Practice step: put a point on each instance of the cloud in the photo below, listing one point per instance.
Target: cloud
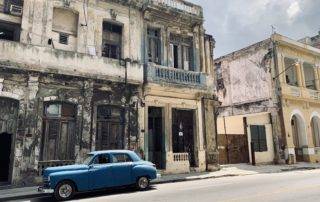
(293, 10)
(239, 23)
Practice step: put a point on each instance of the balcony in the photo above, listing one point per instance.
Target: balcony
(179, 5)
(20, 56)
(160, 74)
(12, 7)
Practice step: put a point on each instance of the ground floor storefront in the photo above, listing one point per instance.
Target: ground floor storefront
(179, 134)
(52, 120)
(246, 139)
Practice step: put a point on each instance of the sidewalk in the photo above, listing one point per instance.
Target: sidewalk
(226, 171)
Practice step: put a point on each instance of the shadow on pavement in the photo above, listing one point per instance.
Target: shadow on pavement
(94, 194)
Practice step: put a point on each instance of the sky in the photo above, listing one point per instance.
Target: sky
(236, 24)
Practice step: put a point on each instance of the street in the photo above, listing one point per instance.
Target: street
(286, 186)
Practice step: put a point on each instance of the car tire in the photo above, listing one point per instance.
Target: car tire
(64, 191)
(143, 183)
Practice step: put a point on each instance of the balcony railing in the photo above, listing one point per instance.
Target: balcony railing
(315, 95)
(162, 74)
(295, 91)
(178, 157)
(179, 5)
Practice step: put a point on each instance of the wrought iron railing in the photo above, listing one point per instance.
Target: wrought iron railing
(158, 73)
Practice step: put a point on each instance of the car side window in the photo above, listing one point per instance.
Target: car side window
(121, 158)
(102, 159)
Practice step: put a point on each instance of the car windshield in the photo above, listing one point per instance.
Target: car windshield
(88, 159)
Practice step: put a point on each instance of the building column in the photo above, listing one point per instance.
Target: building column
(85, 116)
(317, 77)
(300, 75)
(210, 133)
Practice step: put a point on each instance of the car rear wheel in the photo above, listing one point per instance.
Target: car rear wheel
(143, 183)
(64, 191)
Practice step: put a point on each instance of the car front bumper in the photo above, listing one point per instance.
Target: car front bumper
(45, 190)
(158, 176)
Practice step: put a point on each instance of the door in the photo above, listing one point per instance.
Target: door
(100, 173)
(183, 133)
(5, 151)
(122, 169)
(110, 128)
(156, 138)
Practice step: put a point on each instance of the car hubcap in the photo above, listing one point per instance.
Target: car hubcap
(143, 183)
(65, 191)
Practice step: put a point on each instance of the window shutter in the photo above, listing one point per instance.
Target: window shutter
(263, 139)
(255, 137)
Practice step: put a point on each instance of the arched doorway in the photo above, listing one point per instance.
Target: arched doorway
(8, 127)
(315, 129)
(299, 135)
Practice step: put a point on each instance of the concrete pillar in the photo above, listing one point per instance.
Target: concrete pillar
(202, 51)
(85, 115)
(168, 127)
(300, 75)
(317, 77)
(210, 134)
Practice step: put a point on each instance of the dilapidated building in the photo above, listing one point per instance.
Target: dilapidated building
(83, 75)
(270, 92)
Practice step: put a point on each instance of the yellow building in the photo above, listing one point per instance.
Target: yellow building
(300, 100)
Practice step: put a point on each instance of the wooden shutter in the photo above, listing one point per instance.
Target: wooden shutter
(255, 137)
(262, 139)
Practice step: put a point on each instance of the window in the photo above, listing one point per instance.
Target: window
(111, 40)
(181, 52)
(258, 137)
(63, 38)
(154, 45)
(65, 21)
(121, 158)
(309, 76)
(291, 72)
(10, 32)
(102, 159)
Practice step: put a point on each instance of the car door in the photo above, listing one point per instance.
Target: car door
(100, 173)
(122, 169)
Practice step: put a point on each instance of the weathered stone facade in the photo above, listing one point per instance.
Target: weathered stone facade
(80, 76)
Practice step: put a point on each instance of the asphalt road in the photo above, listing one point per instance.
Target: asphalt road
(287, 186)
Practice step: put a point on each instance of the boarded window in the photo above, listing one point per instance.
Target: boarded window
(181, 52)
(258, 137)
(154, 45)
(291, 72)
(111, 40)
(309, 76)
(65, 21)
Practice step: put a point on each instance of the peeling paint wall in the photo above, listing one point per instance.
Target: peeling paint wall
(245, 77)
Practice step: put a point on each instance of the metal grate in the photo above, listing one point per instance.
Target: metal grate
(64, 38)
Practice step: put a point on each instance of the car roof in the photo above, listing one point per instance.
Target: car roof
(111, 152)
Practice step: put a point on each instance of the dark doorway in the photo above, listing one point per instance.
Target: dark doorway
(110, 127)
(233, 149)
(156, 137)
(183, 133)
(5, 151)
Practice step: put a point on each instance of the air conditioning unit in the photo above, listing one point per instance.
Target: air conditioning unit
(16, 10)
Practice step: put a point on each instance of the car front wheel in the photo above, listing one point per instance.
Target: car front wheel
(143, 183)
(64, 191)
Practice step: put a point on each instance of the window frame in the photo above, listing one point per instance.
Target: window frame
(261, 142)
(113, 157)
(109, 46)
(154, 41)
(293, 68)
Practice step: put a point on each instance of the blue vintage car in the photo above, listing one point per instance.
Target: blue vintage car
(100, 170)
